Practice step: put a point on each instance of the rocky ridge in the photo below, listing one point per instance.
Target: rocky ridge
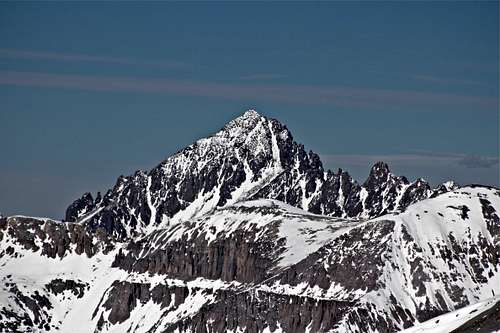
(251, 157)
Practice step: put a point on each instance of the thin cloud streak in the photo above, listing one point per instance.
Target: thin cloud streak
(263, 76)
(379, 99)
(446, 81)
(424, 158)
(75, 57)
(474, 161)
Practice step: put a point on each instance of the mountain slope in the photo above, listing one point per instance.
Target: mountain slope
(410, 267)
(482, 317)
(255, 266)
(251, 157)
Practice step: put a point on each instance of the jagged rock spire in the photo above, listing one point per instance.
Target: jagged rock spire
(379, 174)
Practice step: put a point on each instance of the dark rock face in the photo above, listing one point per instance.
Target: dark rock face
(228, 259)
(59, 286)
(35, 304)
(245, 310)
(417, 191)
(251, 157)
(443, 188)
(80, 207)
(332, 199)
(251, 310)
(343, 262)
(124, 296)
(491, 217)
(55, 239)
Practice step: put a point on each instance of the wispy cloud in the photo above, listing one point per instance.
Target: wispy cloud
(77, 57)
(446, 81)
(372, 99)
(422, 158)
(474, 161)
(262, 77)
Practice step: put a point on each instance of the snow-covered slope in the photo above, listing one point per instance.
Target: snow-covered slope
(49, 270)
(400, 269)
(479, 317)
(260, 237)
(255, 266)
(57, 277)
(251, 157)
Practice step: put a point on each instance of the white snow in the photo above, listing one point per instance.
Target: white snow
(453, 320)
(303, 232)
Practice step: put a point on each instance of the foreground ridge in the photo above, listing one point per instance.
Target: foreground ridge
(255, 266)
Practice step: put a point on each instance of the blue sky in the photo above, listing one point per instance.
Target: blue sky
(90, 91)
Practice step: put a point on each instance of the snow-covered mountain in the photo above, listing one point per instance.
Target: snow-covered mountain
(245, 232)
(256, 265)
(251, 157)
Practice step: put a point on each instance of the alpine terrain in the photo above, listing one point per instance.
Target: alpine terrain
(244, 231)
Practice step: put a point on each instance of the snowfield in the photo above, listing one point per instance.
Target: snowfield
(453, 320)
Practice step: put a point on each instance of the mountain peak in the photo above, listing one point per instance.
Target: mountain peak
(243, 123)
(252, 157)
(251, 113)
(378, 173)
(380, 167)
